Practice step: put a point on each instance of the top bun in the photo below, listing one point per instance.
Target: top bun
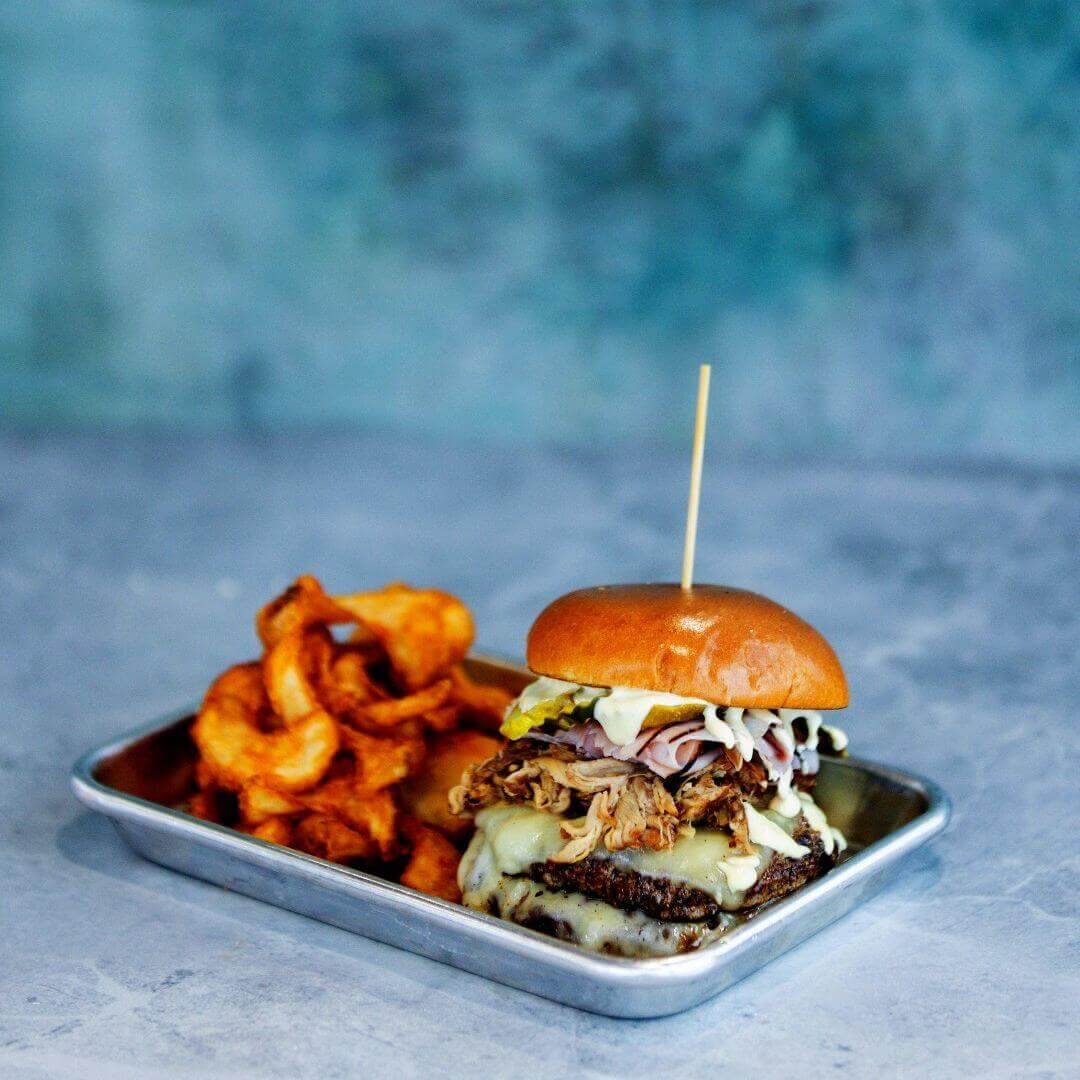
(728, 646)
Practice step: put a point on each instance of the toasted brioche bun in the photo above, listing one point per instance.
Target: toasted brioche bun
(728, 646)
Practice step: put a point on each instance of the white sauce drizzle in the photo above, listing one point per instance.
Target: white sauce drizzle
(838, 736)
(785, 802)
(832, 838)
(622, 710)
(813, 723)
(544, 689)
(718, 728)
(740, 871)
(768, 834)
(733, 718)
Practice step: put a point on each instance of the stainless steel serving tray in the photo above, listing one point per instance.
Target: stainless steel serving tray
(136, 780)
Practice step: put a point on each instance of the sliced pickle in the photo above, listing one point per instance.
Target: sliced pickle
(580, 714)
(519, 723)
(662, 715)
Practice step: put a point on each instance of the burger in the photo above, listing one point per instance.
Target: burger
(658, 779)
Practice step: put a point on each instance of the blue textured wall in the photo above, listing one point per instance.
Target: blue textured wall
(532, 219)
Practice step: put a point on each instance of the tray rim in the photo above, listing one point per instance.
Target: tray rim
(119, 806)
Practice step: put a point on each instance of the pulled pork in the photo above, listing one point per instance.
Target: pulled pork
(616, 803)
(715, 799)
(636, 812)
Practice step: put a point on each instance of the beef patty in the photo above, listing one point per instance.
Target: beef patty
(627, 889)
(674, 901)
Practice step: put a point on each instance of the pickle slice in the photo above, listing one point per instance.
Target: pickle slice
(519, 723)
(662, 715)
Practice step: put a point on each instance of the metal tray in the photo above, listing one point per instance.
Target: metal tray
(136, 780)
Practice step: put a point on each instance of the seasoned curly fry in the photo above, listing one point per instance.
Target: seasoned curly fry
(259, 803)
(204, 778)
(426, 794)
(344, 683)
(425, 632)
(383, 714)
(372, 814)
(383, 761)
(444, 719)
(484, 704)
(235, 749)
(275, 831)
(329, 838)
(432, 866)
(301, 605)
(203, 805)
(288, 684)
(320, 743)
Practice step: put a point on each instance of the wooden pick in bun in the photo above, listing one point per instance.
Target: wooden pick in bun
(728, 646)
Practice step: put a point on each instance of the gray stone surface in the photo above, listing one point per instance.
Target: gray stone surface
(129, 572)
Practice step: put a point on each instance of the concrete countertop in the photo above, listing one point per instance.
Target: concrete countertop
(130, 569)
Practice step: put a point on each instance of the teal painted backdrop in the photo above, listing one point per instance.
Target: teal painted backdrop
(530, 220)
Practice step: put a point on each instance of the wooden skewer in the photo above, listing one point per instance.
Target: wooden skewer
(690, 543)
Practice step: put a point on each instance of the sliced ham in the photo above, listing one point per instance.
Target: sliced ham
(687, 747)
(665, 750)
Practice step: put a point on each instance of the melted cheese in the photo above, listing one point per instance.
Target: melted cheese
(509, 839)
(769, 834)
(705, 860)
(596, 925)
(519, 836)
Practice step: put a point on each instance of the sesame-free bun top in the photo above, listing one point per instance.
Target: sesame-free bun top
(728, 646)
